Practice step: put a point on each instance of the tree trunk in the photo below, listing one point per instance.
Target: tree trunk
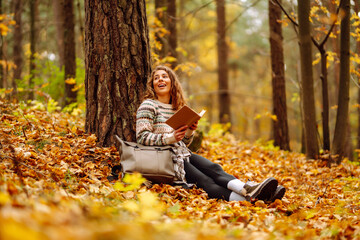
(171, 12)
(69, 50)
(325, 101)
(33, 38)
(307, 81)
(81, 27)
(1, 53)
(117, 62)
(343, 95)
(280, 126)
(161, 15)
(17, 49)
(336, 69)
(59, 26)
(357, 9)
(222, 49)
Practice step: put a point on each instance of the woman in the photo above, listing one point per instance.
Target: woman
(163, 98)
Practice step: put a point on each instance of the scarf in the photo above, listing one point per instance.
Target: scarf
(180, 153)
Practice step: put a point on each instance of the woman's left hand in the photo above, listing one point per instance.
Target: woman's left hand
(194, 126)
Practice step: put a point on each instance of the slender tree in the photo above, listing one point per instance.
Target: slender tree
(57, 6)
(81, 27)
(222, 50)
(33, 39)
(343, 95)
(117, 62)
(171, 12)
(17, 47)
(69, 50)
(160, 35)
(307, 82)
(280, 125)
(1, 53)
(357, 11)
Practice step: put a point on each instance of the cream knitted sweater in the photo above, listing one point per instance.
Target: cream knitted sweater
(151, 128)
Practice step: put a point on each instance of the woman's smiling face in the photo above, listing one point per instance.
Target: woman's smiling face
(162, 83)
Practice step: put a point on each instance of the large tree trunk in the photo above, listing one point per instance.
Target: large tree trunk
(59, 26)
(160, 36)
(222, 49)
(343, 96)
(117, 66)
(69, 51)
(17, 49)
(280, 126)
(171, 11)
(307, 81)
(33, 39)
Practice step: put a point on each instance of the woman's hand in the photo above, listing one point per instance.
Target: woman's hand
(179, 133)
(194, 126)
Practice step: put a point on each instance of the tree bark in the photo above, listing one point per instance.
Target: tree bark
(69, 50)
(117, 66)
(59, 26)
(33, 39)
(222, 49)
(171, 12)
(280, 126)
(17, 49)
(307, 81)
(343, 95)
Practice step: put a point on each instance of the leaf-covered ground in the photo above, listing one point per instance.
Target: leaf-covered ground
(53, 185)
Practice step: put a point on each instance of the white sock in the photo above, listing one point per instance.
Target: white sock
(236, 197)
(236, 185)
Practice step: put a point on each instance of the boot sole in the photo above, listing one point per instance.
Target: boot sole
(265, 189)
(279, 193)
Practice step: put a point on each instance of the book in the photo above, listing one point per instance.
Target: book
(184, 116)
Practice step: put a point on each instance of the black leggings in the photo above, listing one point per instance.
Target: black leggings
(209, 176)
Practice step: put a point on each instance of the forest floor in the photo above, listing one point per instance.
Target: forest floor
(53, 185)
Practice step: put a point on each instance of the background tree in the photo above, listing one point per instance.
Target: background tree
(118, 65)
(69, 51)
(280, 125)
(222, 50)
(2, 79)
(357, 11)
(58, 16)
(172, 21)
(33, 41)
(343, 96)
(162, 23)
(307, 82)
(17, 47)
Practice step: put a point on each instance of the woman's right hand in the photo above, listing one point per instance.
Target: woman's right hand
(179, 133)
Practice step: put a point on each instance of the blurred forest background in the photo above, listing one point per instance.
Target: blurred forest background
(34, 65)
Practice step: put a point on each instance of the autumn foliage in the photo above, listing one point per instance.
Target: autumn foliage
(53, 185)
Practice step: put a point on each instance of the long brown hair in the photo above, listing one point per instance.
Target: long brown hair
(177, 97)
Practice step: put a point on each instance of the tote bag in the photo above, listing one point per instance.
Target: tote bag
(153, 162)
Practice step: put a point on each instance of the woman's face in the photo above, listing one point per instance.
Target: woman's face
(162, 83)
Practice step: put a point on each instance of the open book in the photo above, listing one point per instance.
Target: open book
(184, 116)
